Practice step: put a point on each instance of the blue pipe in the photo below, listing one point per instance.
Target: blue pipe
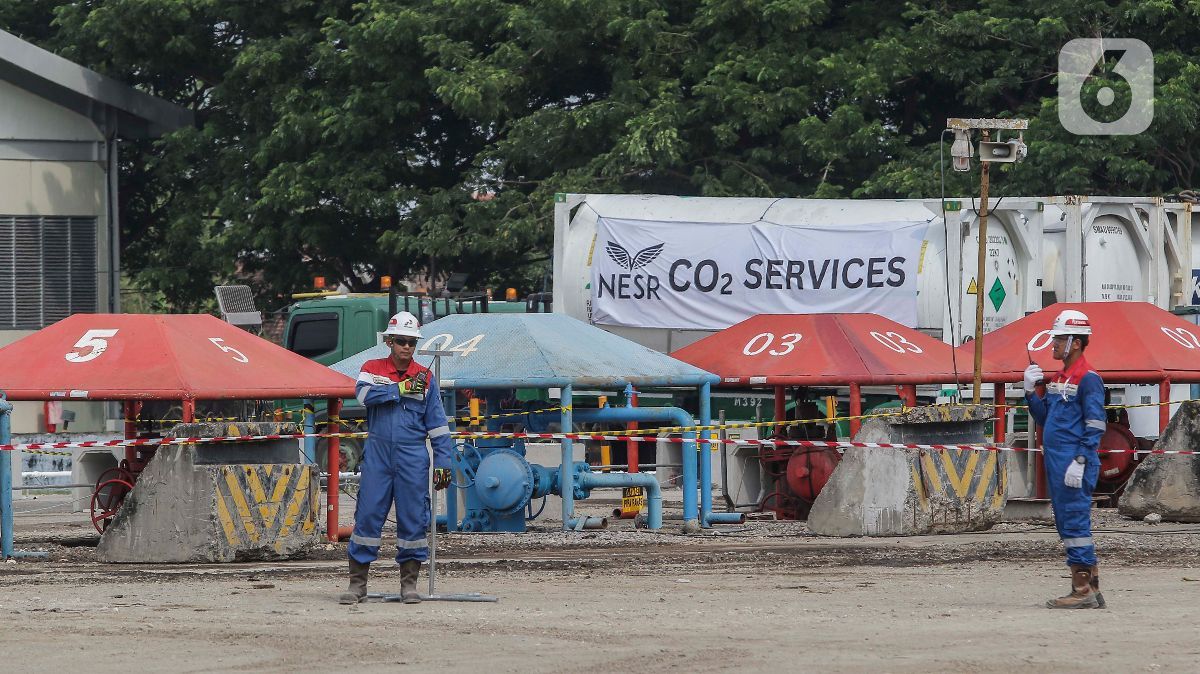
(725, 518)
(587, 523)
(621, 480)
(707, 516)
(6, 513)
(450, 519)
(673, 415)
(567, 468)
(705, 457)
(6, 516)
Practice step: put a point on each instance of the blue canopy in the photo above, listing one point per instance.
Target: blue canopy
(537, 351)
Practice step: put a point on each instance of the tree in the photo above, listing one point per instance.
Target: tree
(352, 139)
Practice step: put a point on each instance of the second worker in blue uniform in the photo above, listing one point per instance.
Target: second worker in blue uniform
(1071, 410)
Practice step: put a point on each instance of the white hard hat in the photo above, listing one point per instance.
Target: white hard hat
(404, 324)
(1071, 322)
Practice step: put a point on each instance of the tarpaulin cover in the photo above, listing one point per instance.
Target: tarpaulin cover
(537, 350)
(824, 349)
(1131, 343)
(166, 357)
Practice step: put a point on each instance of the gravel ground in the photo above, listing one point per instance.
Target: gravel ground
(765, 596)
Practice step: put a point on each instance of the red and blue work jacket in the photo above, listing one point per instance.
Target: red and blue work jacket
(399, 424)
(1072, 411)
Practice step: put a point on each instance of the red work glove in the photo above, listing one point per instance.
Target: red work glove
(442, 478)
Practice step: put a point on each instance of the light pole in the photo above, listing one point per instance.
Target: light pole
(1010, 151)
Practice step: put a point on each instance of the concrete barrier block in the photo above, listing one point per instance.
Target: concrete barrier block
(1168, 484)
(906, 492)
(188, 506)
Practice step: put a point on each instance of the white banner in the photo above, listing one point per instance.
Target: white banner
(709, 276)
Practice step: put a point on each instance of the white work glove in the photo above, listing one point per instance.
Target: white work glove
(1074, 476)
(1033, 374)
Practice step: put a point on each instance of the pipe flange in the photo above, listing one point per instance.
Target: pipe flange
(504, 481)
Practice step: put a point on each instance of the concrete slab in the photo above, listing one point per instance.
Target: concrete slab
(903, 492)
(1028, 509)
(1168, 484)
(190, 506)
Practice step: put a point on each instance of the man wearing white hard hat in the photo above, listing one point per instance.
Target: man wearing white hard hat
(404, 409)
(1071, 410)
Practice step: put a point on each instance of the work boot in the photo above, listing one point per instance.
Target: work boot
(1082, 595)
(358, 583)
(408, 581)
(1096, 586)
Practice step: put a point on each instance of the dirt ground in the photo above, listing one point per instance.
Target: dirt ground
(766, 596)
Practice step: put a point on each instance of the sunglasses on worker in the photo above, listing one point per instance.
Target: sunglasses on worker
(403, 341)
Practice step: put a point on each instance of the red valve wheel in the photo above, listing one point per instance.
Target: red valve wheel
(107, 499)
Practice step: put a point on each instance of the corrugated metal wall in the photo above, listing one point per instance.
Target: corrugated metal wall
(47, 269)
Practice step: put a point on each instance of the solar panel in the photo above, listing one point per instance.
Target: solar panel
(237, 305)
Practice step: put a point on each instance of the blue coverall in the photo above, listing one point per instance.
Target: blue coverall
(1072, 414)
(395, 464)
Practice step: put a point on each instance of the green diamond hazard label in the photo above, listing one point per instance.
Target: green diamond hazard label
(997, 294)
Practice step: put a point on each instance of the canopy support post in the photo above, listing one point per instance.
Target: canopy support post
(566, 470)
(631, 446)
(780, 408)
(1001, 411)
(1164, 407)
(855, 410)
(334, 461)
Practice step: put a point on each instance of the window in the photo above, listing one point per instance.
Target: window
(314, 334)
(47, 269)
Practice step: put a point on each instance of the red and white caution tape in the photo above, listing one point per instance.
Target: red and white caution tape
(156, 442)
(838, 444)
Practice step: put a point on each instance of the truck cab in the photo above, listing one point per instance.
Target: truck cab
(334, 326)
(330, 327)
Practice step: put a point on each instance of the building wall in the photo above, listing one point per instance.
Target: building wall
(52, 188)
(33, 133)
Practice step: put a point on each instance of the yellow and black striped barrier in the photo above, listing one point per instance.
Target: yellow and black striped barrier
(263, 504)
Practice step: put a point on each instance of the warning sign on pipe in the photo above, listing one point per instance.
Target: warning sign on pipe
(633, 498)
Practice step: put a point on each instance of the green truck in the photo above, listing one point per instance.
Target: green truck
(333, 326)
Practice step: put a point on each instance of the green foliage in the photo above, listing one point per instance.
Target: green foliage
(351, 139)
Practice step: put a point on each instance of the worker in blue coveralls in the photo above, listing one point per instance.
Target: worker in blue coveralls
(1071, 410)
(403, 410)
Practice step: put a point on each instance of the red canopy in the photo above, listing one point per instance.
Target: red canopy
(824, 350)
(1131, 343)
(165, 357)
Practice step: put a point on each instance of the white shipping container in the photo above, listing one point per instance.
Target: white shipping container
(1012, 284)
(1040, 250)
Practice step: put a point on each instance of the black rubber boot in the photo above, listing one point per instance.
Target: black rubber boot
(1096, 586)
(408, 582)
(358, 584)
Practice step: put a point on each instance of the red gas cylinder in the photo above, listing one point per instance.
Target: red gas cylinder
(809, 469)
(1116, 466)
